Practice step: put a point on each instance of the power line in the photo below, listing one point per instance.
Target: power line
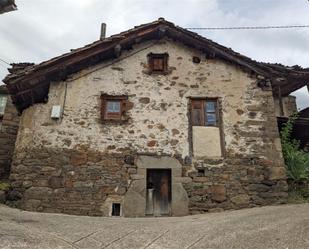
(5, 62)
(233, 28)
(251, 27)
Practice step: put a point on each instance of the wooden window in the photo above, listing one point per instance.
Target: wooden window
(204, 112)
(113, 107)
(157, 63)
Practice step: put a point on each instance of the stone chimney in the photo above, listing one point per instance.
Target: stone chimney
(103, 31)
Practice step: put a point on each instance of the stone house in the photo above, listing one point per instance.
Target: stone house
(156, 120)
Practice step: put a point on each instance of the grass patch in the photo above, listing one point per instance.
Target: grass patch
(298, 192)
(296, 196)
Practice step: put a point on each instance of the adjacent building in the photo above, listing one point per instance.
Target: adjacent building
(9, 121)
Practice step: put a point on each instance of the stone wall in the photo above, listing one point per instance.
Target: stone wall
(236, 183)
(8, 133)
(249, 172)
(67, 181)
(243, 179)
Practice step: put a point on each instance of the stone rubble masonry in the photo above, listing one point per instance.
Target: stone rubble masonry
(78, 165)
(79, 182)
(67, 181)
(8, 133)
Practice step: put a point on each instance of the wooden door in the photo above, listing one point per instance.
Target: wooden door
(158, 192)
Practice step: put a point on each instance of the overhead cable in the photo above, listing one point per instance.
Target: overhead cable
(251, 27)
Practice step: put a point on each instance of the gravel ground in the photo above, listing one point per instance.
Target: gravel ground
(285, 226)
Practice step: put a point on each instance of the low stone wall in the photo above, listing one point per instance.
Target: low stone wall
(86, 182)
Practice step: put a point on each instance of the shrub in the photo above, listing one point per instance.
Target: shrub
(297, 164)
(296, 160)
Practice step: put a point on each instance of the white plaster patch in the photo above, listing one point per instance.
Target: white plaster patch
(206, 142)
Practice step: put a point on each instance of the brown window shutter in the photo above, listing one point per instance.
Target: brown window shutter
(103, 108)
(158, 64)
(197, 104)
(197, 117)
(123, 107)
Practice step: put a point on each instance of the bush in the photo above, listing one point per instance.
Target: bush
(297, 164)
(296, 160)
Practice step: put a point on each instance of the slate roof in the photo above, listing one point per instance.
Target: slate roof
(29, 83)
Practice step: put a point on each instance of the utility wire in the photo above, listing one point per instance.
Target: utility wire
(234, 28)
(252, 27)
(5, 62)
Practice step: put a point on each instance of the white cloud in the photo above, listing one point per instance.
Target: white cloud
(40, 30)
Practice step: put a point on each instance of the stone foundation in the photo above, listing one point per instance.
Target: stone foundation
(68, 181)
(85, 182)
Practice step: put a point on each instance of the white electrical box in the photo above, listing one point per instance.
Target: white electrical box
(56, 112)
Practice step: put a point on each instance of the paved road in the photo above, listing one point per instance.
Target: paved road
(283, 227)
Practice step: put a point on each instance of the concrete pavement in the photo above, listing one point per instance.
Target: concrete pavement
(285, 226)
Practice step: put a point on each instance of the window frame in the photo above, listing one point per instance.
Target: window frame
(155, 56)
(203, 111)
(113, 116)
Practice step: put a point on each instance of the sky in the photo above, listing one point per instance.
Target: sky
(42, 29)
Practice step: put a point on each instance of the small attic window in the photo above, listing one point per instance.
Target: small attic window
(157, 63)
